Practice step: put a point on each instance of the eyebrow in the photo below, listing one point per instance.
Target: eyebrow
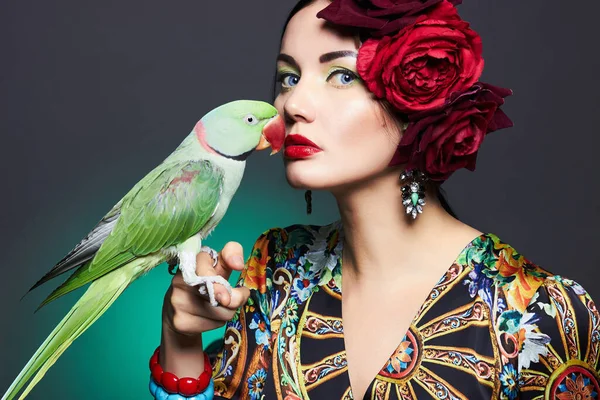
(324, 58)
(336, 54)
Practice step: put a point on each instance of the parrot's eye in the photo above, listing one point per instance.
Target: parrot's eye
(250, 119)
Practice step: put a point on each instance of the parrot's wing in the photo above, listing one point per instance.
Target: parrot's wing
(86, 249)
(164, 209)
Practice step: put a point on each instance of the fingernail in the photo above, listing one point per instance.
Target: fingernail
(218, 297)
(238, 260)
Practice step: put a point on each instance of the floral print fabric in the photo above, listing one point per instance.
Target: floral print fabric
(495, 326)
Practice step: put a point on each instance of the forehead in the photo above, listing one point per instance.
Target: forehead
(307, 35)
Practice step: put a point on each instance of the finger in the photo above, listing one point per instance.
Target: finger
(204, 264)
(231, 257)
(189, 303)
(239, 297)
(221, 293)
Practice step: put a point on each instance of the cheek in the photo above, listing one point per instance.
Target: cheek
(278, 104)
(359, 133)
(357, 146)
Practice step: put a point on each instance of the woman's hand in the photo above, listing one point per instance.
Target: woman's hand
(187, 312)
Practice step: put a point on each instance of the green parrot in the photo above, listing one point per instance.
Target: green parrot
(164, 217)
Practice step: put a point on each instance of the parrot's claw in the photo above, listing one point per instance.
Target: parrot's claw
(188, 271)
(172, 265)
(208, 288)
(213, 254)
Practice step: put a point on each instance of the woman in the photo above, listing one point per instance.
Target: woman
(431, 307)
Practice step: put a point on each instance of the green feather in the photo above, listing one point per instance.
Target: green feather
(147, 224)
(94, 302)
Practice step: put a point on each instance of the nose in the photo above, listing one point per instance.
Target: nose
(299, 105)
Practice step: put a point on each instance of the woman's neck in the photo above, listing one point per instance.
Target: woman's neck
(381, 239)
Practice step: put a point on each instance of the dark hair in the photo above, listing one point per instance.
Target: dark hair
(396, 116)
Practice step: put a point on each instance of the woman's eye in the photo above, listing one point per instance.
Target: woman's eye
(288, 80)
(343, 77)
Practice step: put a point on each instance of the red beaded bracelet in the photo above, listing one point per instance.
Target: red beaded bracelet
(184, 386)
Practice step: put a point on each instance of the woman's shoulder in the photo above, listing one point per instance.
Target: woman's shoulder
(308, 245)
(496, 264)
(300, 236)
(547, 325)
(283, 249)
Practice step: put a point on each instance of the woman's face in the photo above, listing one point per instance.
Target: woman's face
(323, 99)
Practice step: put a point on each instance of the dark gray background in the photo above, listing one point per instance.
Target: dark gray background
(94, 94)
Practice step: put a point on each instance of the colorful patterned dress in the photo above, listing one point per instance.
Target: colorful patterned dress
(495, 326)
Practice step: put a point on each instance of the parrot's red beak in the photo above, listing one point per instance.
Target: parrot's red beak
(273, 134)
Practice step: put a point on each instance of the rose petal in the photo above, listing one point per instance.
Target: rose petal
(443, 142)
(379, 17)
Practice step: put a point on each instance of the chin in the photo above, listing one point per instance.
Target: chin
(299, 176)
(297, 182)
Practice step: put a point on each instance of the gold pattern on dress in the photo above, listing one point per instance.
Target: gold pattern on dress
(288, 339)
(276, 323)
(282, 279)
(231, 345)
(347, 394)
(324, 370)
(566, 318)
(317, 373)
(381, 390)
(286, 388)
(551, 360)
(405, 391)
(327, 289)
(473, 314)
(453, 276)
(405, 360)
(533, 380)
(436, 386)
(258, 361)
(494, 342)
(572, 367)
(321, 327)
(275, 366)
(467, 360)
(591, 355)
(292, 357)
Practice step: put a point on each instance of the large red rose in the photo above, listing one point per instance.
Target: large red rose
(417, 68)
(439, 143)
(378, 17)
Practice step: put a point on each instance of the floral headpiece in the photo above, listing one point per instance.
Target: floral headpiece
(426, 61)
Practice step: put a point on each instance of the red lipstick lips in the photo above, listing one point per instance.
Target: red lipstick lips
(297, 146)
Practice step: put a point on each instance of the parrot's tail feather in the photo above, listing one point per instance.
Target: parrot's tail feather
(94, 302)
(85, 250)
(54, 272)
(82, 277)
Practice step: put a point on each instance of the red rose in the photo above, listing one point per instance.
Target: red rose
(379, 17)
(417, 68)
(442, 142)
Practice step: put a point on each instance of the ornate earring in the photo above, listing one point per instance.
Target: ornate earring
(308, 199)
(413, 191)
